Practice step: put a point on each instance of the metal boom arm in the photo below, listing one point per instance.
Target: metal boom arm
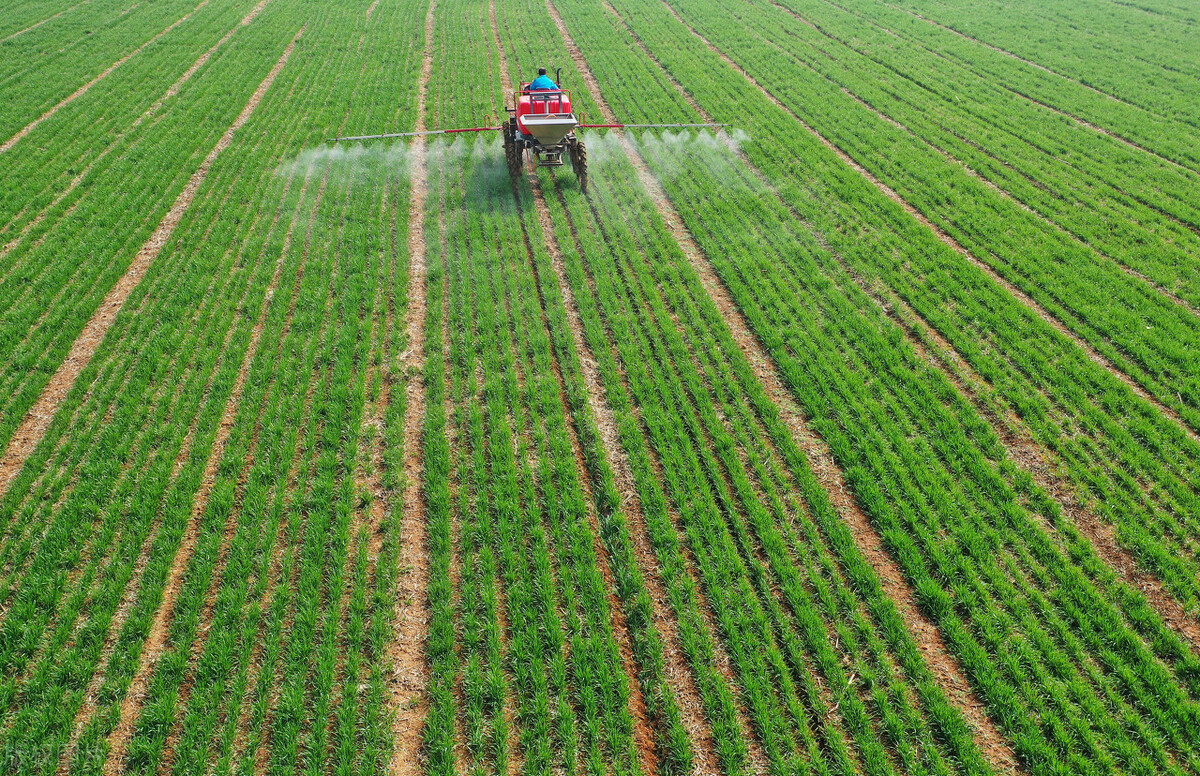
(494, 129)
(414, 134)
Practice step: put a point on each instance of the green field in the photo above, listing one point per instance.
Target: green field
(859, 436)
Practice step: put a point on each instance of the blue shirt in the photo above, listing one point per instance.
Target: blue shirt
(543, 83)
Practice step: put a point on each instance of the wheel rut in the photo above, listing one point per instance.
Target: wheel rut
(644, 735)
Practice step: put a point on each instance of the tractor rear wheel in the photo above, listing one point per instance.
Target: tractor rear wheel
(512, 151)
(579, 164)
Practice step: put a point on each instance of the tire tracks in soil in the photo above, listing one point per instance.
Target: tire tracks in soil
(946, 669)
(643, 548)
(644, 736)
(682, 676)
(21, 133)
(155, 643)
(679, 675)
(406, 654)
(1023, 298)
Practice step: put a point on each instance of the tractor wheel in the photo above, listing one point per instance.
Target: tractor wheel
(512, 151)
(579, 163)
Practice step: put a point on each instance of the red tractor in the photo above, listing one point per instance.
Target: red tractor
(543, 123)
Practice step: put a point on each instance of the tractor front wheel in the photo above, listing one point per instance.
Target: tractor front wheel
(512, 151)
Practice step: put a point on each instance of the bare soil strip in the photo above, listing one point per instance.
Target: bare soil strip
(38, 419)
(946, 668)
(1092, 354)
(43, 21)
(171, 91)
(643, 730)
(12, 141)
(406, 654)
(156, 640)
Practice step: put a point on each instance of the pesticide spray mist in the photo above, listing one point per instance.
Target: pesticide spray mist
(367, 164)
(667, 153)
(372, 163)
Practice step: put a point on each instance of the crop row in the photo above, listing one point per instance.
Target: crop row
(1055, 409)
(259, 521)
(50, 163)
(56, 277)
(1144, 333)
(1170, 139)
(755, 520)
(535, 595)
(1082, 181)
(1073, 406)
(934, 459)
(27, 15)
(48, 64)
(1139, 58)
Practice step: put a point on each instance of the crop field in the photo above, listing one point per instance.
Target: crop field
(859, 435)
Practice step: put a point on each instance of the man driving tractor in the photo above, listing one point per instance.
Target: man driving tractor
(543, 82)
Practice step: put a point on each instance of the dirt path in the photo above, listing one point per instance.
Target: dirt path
(946, 668)
(406, 654)
(12, 141)
(156, 640)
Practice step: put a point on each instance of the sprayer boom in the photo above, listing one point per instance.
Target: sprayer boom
(413, 134)
(542, 123)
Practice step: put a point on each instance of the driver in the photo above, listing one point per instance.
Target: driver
(543, 82)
